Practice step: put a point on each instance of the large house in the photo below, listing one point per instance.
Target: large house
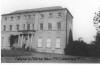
(46, 29)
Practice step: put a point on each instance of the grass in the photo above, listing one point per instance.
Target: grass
(23, 56)
(15, 52)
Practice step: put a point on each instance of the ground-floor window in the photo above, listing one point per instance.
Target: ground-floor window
(48, 45)
(58, 42)
(39, 42)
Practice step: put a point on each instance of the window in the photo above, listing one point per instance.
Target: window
(59, 25)
(12, 18)
(5, 18)
(18, 17)
(29, 16)
(50, 15)
(10, 27)
(34, 15)
(33, 26)
(39, 42)
(99, 26)
(58, 43)
(25, 16)
(42, 15)
(59, 14)
(17, 27)
(48, 43)
(28, 26)
(41, 26)
(99, 21)
(4, 28)
(23, 26)
(49, 26)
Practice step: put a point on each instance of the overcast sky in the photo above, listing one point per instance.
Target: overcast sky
(82, 11)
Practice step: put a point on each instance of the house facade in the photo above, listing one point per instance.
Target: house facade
(43, 29)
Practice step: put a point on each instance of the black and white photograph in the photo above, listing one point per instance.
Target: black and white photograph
(50, 31)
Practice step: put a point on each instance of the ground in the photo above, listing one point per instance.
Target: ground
(20, 56)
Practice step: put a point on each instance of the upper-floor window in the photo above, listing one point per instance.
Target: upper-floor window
(4, 28)
(17, 27)
(5, 18)
(28, 26)
(41, 15)
(18, 17)
(23, 26)
(12, 18)
(59, 14)
(29, 16)
(33, 15)
(25, 16)
(59, 25)
(10, 27)
(49, 26)
(41, 26)
(33, 26)
(50, 15)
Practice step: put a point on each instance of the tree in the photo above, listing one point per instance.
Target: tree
(96, 21)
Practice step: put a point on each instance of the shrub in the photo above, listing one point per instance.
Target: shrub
(78, 48)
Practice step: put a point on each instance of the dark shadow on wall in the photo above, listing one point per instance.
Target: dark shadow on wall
(13, 39)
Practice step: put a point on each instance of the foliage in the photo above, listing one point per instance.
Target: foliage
(96, 21)
(80, 48)
(97, 40)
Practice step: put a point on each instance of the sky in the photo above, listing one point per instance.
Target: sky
(82, 11)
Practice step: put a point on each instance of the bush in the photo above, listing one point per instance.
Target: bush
(78, 48)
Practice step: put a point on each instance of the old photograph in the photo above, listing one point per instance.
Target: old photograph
(50, 31)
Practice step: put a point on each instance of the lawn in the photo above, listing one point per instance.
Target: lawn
(23, 56)
(15, 52)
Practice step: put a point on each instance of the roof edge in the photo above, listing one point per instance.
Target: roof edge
(37, 11)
